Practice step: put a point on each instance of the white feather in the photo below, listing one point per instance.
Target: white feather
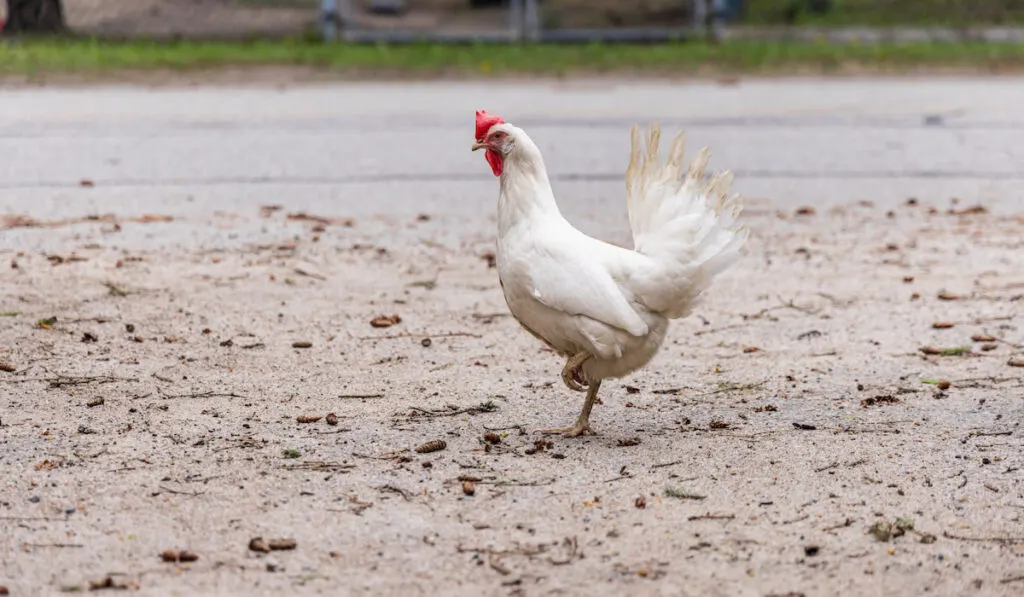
(577, 293)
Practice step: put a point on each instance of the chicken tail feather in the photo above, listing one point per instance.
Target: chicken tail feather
(688, 224)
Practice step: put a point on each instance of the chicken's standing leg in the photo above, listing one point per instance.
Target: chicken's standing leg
(572, 375)
(582, 426)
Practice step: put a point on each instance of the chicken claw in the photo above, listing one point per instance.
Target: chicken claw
(572, 373)
(574, 431)
(582, 426)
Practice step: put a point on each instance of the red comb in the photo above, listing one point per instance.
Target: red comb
(484, 122)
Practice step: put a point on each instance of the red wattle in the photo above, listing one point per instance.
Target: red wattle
(497, 165)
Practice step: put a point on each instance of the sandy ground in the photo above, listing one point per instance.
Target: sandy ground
(186, 240)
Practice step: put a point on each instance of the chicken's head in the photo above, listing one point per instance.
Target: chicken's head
(493, 135)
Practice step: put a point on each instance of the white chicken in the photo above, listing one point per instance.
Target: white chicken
(606, 308)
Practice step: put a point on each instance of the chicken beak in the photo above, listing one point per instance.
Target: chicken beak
(479, 145)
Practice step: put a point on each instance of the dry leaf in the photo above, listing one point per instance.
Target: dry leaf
(878, 400)
(942, 325)
(308, 418)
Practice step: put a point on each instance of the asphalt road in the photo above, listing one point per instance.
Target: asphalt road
(404, 148)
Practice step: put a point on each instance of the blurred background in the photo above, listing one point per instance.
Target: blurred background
(551, 20)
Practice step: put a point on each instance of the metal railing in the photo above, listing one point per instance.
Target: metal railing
(338, 22)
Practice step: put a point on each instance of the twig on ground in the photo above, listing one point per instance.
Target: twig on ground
(406, 494)
(712, 517)
(333, 467)
(729, 386)
(721, 329)
(483, 407)
(386, 456)
(497, 566)
(515, 483)
(412, 335)
(207, 394)
(70, 380)
(1002, 540)
(785, 305)
(359, 504)
(573, 546)
(844, 524)
(175, 491)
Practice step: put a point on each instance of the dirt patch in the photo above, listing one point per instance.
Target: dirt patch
(188, 428)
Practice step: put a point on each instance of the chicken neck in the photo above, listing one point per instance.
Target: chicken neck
(526, 193)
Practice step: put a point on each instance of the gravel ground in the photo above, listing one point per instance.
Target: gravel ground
(213, 258)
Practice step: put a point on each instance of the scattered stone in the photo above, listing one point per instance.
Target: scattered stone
(282, 544)
(385, 321)
(175, 555)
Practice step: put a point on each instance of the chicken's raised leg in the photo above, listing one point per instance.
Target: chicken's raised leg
(572, 374)
(582, 426)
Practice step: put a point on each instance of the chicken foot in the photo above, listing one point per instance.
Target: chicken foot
(572, 373)
(582, 426)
